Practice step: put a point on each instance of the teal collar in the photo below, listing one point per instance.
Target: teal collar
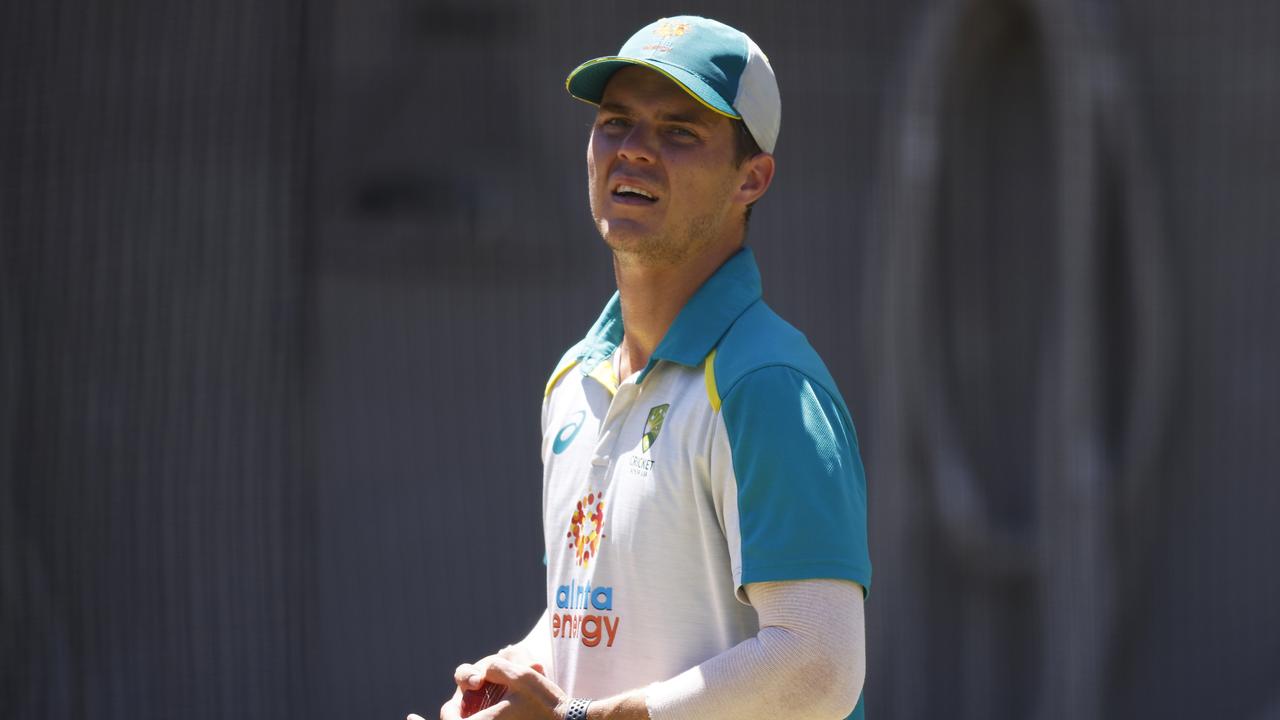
(734, 287)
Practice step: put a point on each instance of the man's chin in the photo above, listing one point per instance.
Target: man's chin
(645, 250)
(622, 236)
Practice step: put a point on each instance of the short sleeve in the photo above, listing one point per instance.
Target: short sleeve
(801, 509)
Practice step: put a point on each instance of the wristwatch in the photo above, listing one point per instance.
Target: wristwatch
(577, 709)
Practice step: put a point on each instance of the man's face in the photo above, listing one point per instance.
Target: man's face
(661, 171)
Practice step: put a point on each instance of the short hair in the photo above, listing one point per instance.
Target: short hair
(744, 143)
(745, 147)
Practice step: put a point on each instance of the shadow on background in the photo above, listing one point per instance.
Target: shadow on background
(282, 283)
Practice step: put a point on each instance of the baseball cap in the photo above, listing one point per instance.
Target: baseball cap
(718, 65)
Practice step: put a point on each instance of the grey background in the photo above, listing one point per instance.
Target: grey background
(282, 282)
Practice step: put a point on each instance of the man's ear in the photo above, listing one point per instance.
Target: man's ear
(758, 174)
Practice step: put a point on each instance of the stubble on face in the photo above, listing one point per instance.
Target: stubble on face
(668, 245)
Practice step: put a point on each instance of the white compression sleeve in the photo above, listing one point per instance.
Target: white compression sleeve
(808, 660)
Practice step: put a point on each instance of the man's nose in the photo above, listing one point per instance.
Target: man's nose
(637, 145)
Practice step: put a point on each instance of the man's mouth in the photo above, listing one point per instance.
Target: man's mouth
(631, 194)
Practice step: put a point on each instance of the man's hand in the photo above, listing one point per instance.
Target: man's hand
(529, 693)
(512, 653)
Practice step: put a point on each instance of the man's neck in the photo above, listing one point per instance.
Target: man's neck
(652, 297)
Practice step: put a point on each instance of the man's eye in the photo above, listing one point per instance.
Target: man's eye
(684, 133)
(615, 122)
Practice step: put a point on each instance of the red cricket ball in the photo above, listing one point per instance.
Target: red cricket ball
(473, 701)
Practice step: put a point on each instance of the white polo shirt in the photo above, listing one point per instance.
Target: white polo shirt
(729, 459)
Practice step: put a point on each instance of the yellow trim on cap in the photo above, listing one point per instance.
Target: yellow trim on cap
(555, 378)
(709, 374)
(651, 66)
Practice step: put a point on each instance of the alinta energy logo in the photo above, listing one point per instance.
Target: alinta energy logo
(584, 612)
(586, 528)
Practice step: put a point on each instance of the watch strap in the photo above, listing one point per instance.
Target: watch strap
(577, 709)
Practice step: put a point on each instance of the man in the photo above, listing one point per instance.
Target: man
(703, 498)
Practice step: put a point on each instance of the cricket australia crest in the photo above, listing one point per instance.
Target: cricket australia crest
(653, 426)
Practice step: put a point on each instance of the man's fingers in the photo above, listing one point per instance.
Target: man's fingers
(452, 709)
(470, 676)
(528, 678)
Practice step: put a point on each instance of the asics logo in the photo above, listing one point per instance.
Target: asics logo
(565, 437)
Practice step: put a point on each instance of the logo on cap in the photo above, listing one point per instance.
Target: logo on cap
(669, 29)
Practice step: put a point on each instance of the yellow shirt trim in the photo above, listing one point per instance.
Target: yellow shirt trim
(603, 373)
(556, 377)
(709, 373)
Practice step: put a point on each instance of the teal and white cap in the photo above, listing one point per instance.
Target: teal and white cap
(719, 66)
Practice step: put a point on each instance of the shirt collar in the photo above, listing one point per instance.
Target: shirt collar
(731, 289)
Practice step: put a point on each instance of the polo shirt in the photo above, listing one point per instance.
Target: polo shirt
(730, 458)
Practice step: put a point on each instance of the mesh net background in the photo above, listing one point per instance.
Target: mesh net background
(281, 283)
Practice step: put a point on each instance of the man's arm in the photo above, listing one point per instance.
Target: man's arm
(808, 661)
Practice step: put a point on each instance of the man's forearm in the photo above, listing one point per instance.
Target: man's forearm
(807, 661)
(627, 706)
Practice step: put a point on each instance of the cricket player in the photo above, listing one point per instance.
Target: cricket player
(704, 503)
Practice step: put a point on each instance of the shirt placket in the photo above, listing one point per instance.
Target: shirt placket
(607, 444)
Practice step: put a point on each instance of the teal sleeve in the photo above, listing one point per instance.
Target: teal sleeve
(802, 494)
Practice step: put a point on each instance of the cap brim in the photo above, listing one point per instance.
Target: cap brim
(587, 82)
